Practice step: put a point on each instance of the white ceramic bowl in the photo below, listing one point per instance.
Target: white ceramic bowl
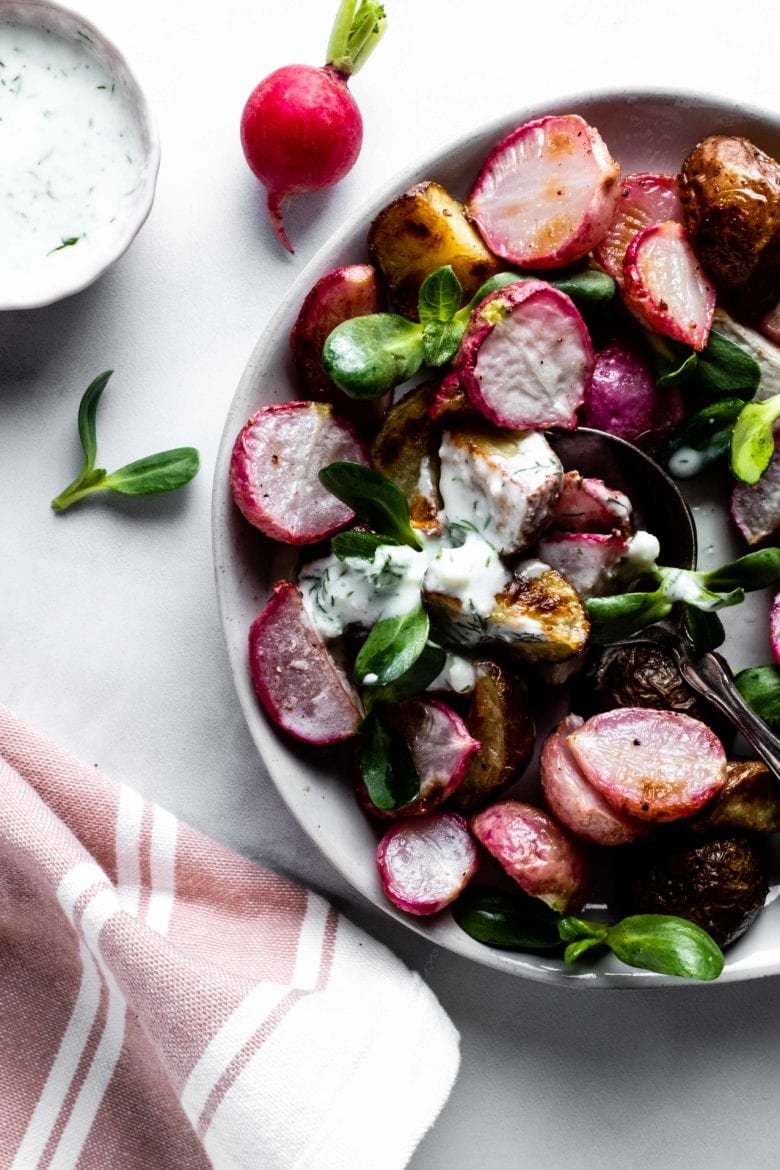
(645, 131)
(37, 264)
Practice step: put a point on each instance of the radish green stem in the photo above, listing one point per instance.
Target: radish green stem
(356, 32)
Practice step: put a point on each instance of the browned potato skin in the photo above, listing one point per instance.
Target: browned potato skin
(404, 443)
(749, 800)
(730, 191)
(420, 231)
(500, 718)
(556, 605)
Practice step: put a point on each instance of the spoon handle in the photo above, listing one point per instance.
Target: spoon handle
(711, 677)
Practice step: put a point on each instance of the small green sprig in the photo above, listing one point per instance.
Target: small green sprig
(753, 440)
(374, 498)
(723, 369)
(163, 472)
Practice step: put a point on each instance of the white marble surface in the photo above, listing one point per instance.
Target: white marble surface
(109, 634)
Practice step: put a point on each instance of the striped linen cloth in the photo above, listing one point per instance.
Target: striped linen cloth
(167, 1005)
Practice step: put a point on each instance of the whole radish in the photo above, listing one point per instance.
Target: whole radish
(301, 129)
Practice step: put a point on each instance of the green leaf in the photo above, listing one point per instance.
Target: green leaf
(67, 242)
(760, 688)
(373, 498)
(510, 921)
(587, 288)
(755, 570)
(392, 648)
(689, 586)
(572, 928)
(367, 356)
(491, 285)
(613, 618)
(724, 369)
(441, 341)
(704, 629)
(358, 544)
(87, 419)
(753, 441)
(675, 363)
(666, 944)
(386, 765)
(440, 295)
(577, 948)
(416, 679)
(701, 439)
(164, 472)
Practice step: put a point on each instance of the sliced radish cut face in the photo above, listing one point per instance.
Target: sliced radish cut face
(642, 200)
(665, 287)
(274, 470)
(574, 801)
(588, 505)
(441, 747)
(546, 195)
(526, 357)
(295, 677)
(588, 560)
(533, 850)
(425, 863)
(655, 765)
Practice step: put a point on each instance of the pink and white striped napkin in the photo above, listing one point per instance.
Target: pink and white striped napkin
(166, 1004)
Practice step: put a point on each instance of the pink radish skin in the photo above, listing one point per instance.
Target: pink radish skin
(587, 560)
(441, 748)
(588, 505)
(296, 679)
(770, 324)
(350, 291)
(526, 358)
(546, 194)
(427, 862)
(622, 398)
(774, 627)
(755, 507)
(642, 200)
(576, 803)
(665, 287)
(274, 470)
(654, 765)
(535, 852)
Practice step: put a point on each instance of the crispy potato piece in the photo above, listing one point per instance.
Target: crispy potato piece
(406, 450)
(421, 230)
(500, 718)
(749, 800)
(730, 191)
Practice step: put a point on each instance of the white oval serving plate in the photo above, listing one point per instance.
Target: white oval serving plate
(645, 131)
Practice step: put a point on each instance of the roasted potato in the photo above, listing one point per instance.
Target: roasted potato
(500, 718)
(421, 230)
(730, 191)
(749, 800)
(406, 450)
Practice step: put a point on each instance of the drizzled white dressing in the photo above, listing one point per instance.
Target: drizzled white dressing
(74, 157)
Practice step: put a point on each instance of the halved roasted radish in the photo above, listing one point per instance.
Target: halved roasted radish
(526, 357)
(440, 745)
(655, 765)
(546, 194)
(665, 287)
(574, 801)
(425, 863)
(536, 852)
(642, 200)
(350, 291)
(295, 677)
(623, 398)
(588, 560)
(755, 507)
(274, 470)
(588, 505)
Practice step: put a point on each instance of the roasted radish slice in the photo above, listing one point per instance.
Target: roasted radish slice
(588, 560)
(440, 746)
(642, 200)
(588, 505)
(655, 765)
(623, 398)
(426, 862)
(574, 801)
(665, 287)
(533, 850)
(546, 195)
(274, 466)
(755, 507)
(296, 679)
(774, 627)
(526, 358)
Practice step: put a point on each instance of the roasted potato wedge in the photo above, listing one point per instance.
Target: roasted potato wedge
(500, 718)
(420, 231)
(749, 800)
(406, 450)
(730, 191)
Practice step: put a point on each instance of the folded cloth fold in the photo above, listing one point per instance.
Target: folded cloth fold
(165, 1003)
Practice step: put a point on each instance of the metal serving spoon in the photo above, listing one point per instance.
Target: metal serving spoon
(661, 509)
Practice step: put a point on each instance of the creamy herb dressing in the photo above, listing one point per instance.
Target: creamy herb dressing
(72, 151)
